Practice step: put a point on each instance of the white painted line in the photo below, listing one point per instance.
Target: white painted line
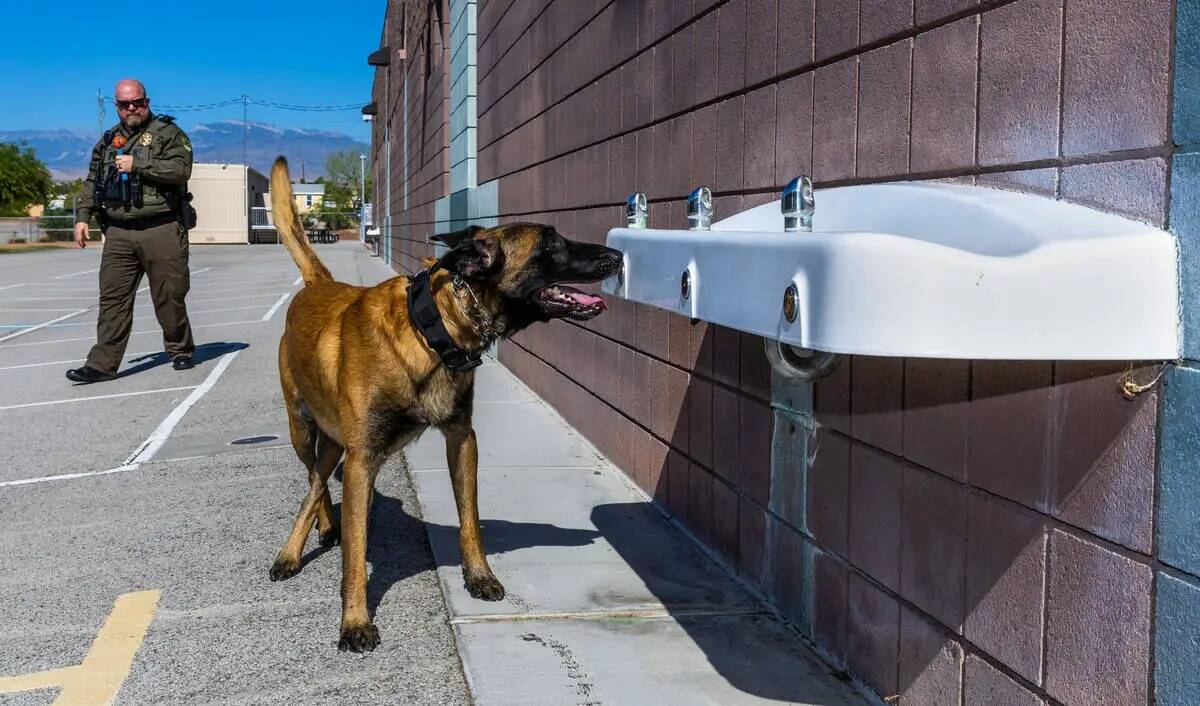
(97, 397)
(139, 318)
(73, 274)
(60, 299)
(68, 362)
(202, 270)
(159, 436)
(43, 310)
(46, 299)
(135, 333)
(231, 299)
(271, 312)
(12, 286)
(42, 325)
(68, 476)
(299, 281)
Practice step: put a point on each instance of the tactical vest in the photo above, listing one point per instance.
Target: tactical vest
(148, 199)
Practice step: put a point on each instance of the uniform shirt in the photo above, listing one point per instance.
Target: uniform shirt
(162, 158)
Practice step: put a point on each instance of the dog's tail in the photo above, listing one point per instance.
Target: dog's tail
(291, 230)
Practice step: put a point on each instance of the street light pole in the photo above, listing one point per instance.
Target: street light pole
(362, 197)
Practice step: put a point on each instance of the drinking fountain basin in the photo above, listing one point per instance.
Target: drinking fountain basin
(921, 270)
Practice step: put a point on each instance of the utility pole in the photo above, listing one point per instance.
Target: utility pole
(362, 197)
(245, 162)
(100, 110)
(245, 129)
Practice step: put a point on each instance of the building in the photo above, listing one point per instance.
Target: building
(223, 196)
(1012, 528)
(308, 196)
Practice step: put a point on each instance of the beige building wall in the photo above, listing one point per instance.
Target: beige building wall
(222, 195)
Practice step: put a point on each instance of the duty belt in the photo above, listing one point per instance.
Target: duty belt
(145, 223)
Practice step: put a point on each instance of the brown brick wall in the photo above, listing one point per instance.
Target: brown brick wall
(973, 529)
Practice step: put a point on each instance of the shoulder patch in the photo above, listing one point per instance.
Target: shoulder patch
(187, 144)
(147, 139)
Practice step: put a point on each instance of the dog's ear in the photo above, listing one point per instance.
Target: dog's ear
(428, 262)
(477, 258)
(458, 237)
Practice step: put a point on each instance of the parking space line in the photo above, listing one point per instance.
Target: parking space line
(12, 286)
(146, 450)
(271, 312)
(68, 476)
(299, 281)
(159, 436)
(34, 310)
(97, 680)
(43, 325)
(74, 274)
(135, 333)
(136, 318)
(67, 362)
(97, 397)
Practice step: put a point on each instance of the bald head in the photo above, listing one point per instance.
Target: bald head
(129, 89)
(132, 103)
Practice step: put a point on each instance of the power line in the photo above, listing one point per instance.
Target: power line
(254, 101)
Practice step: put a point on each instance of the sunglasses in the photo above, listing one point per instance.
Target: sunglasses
(136, 103)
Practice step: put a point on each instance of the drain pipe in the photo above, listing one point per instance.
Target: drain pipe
(792, 363)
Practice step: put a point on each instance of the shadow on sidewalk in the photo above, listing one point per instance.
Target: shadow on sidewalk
(397, 546)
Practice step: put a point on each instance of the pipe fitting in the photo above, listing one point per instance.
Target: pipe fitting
(636, 211)
(799, 364)
(798, 205)
(700, 208)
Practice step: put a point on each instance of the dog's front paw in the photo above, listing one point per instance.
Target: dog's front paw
(284, 569)
(363, 638)
(485, 588)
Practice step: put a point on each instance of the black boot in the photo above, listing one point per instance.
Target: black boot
(88, 374)
(183, 362)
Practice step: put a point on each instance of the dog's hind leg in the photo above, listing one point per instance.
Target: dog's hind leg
(320, 455)
(462, 452)
(328, 531)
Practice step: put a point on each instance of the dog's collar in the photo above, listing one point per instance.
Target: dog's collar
(423, 312)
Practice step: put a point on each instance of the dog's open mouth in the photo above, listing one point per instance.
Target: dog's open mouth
(562, 301)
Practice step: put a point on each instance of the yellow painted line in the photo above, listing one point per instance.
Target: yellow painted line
(96, 681)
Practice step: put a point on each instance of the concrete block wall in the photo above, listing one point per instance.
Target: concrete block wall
(973, 532)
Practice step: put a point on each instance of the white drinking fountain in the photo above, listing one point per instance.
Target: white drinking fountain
(927, 270)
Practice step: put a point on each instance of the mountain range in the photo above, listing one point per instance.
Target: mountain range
(66, 152)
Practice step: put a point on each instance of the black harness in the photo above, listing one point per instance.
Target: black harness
(423, 312)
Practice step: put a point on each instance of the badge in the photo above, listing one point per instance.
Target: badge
(147, 139)
(187, 145)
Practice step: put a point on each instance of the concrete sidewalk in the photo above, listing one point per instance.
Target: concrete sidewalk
(607, 602)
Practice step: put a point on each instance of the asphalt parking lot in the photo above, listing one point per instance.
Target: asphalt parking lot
(136, 535)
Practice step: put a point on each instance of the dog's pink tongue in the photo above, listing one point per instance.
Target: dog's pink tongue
(586, 300)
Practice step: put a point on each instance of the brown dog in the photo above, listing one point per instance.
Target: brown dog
(364, 371)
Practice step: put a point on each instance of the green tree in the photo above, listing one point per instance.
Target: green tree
(342, 170)
(340, 195)
(24, 180)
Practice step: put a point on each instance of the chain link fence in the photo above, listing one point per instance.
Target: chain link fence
(45, 229)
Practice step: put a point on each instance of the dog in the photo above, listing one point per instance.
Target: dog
(362, 377)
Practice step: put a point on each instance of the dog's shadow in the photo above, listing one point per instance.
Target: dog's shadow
(203, 353)
(397, 546)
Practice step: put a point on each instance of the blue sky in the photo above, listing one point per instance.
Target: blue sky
(57, 53)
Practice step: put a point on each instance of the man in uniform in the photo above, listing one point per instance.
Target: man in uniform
(137, 186)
